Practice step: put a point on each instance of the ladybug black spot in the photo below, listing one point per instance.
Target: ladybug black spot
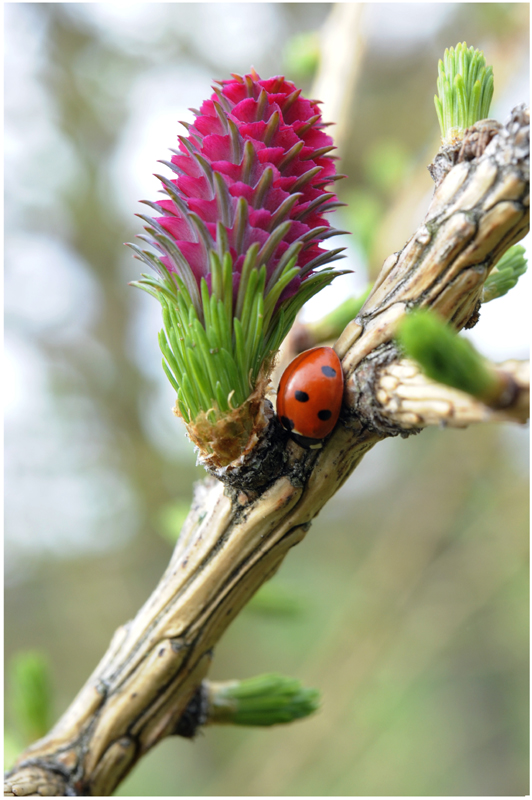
(287, 423)
(301, 396)
(324, 414)
(329, 372)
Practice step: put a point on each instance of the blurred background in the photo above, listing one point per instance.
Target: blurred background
(407, 603)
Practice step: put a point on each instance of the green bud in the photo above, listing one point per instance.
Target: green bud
(505, 274)
(263, 700)
(465, 90)
(446, 357)
(31, 693)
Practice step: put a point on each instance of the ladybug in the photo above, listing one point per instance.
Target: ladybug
(310, 394)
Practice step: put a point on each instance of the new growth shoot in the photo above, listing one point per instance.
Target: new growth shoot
(448, 358)
(238, 251)
(263, 700)
(465, 90)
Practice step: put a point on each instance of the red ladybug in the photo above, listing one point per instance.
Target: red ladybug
(310, 396)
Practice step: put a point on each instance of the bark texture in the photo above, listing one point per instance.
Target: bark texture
(241, 527)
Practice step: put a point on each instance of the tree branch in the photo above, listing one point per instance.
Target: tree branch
(241, 526)
(411, 400)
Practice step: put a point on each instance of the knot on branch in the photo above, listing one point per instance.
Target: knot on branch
(195, 714)
(512, 146)
(37, 780)
(509, 144)
(473, 144)
(362, 389)
(263, 464)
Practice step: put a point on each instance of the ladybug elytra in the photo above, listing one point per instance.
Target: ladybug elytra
(310, 396)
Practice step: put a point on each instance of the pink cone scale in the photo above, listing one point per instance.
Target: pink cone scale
(238, 238)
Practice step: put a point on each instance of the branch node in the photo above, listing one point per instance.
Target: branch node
(195, 714)
(362, 388)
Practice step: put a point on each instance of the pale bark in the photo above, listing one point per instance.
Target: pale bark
(235, 537)
(410, 399)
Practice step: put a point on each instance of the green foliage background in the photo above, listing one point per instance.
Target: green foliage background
(407, 603)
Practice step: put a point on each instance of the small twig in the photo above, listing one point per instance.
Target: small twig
(411, 400)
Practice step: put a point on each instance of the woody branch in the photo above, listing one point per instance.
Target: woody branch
(411, 400)
(237, 535)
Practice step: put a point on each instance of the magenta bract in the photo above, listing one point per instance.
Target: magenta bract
(252, 169)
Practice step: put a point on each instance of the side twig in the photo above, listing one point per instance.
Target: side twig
(411, 400)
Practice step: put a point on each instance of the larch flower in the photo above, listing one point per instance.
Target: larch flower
(238, 240)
